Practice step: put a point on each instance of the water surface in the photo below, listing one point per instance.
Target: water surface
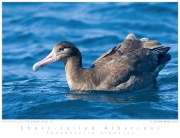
(29, 32)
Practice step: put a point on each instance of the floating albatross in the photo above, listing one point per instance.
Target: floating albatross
(132, 64)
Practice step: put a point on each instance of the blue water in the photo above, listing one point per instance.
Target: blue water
(29, 32)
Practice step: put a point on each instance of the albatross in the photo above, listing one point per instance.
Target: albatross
(132, 64)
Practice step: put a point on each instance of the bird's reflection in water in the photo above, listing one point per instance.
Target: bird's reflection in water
(144, 95)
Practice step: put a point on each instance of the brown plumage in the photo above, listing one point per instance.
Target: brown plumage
(132, 64)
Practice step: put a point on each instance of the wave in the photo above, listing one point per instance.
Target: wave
(30, 30)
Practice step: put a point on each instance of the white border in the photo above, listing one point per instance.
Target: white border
(52, 128)
(89, 0)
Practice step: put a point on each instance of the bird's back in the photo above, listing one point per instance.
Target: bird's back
(132, 64)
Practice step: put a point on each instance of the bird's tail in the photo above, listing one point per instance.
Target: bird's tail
(162, 57)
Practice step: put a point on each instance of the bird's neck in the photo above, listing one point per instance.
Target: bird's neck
(73, 68)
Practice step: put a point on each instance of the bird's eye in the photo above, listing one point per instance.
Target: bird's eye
(61, 49)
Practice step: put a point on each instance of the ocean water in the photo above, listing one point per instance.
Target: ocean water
(29, 32)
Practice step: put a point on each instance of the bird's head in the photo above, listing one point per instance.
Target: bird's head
(61, 52)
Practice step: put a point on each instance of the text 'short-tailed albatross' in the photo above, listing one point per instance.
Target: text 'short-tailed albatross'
(132, 64)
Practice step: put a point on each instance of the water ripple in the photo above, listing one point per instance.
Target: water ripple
(29, 32)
